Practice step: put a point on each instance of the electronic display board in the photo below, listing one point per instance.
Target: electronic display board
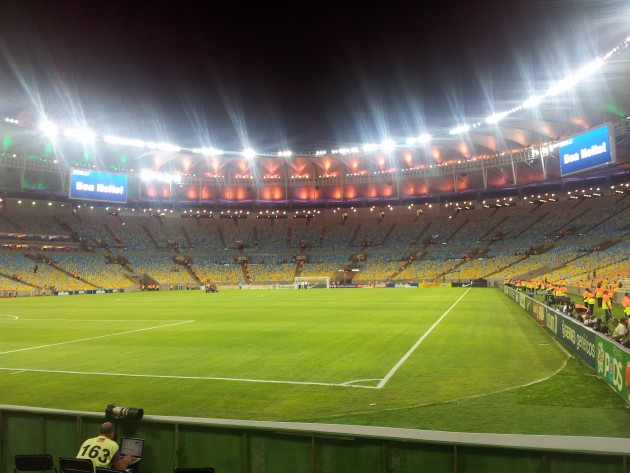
(587, 150)
(98, 186)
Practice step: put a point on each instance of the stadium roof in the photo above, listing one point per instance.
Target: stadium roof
(574, 97)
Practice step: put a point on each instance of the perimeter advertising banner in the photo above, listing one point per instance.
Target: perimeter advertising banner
(98, 186)
(580, 339)
(434, 284)
(551, 320)
(587, 150)
(613, 366)
(609, 359)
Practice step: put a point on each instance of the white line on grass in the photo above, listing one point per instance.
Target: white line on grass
(97, 320)
(200, 378)
(465, 398)
(94, 338)
(347, 384)
(353, 382)
(417, 344)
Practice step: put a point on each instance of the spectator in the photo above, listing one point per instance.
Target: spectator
(619, 330)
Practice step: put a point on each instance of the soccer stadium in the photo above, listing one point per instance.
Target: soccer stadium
(416, 304)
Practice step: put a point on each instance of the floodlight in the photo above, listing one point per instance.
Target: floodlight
(424, 138)
(388, 145)
(82, 135)
(117, 140)
(370, 147)
(249, 153)
(168, 147)
(496, 117)
(209, 151)
(458, 130)
(411, 141)
(589, 68)
(147, 175)
(533, 101)
(49, 128)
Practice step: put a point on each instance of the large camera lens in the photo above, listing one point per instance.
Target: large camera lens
(115, 412)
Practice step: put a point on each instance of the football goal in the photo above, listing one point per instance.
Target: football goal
(312, 282)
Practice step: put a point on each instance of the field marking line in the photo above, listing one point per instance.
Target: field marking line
(354, 381)
(8, 317)
(95, 338)
(198, 378)
(17, 372)
(417, 344)
(92, 320)
(465, 398)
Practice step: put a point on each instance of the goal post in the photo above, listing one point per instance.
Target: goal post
(312, 282)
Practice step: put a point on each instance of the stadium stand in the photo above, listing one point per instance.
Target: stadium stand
(563, 239)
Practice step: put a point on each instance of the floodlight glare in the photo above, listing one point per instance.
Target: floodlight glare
(424, 138)
(388, 145)
(533, 101)
(458, 130)
(117, 140)
(49, 128)
(80, 134)
(496, 118)
(411, 141)
(370, 147)
(209, 151)
(167, 147)
(249, 153)
(589, 68)
(562, 86)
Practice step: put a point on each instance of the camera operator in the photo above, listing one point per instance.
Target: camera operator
(103, 452)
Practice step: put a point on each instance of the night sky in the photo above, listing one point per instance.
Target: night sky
(304, 76)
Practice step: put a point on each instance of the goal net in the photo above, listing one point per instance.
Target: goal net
(312, 282)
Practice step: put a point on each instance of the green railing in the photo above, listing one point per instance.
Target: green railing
(232, 446)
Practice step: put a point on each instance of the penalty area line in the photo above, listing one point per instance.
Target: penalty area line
(94, 338)
(193, 378)
(417, 344)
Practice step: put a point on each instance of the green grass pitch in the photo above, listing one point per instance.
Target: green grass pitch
(439, 359)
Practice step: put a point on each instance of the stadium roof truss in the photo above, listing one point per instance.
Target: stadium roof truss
(517, 151)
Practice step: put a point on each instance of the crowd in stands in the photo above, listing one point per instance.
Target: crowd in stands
(566, 240)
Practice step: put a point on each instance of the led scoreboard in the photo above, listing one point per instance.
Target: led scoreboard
(98, 186)
(587, 150)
